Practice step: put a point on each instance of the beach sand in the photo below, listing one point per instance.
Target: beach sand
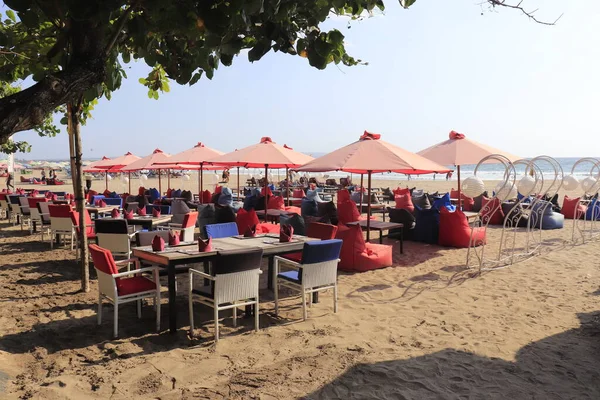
(426, 328)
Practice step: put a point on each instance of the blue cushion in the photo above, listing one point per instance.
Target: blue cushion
(321, 251)
(154, 194)
(444, 201)
(114, 201)
(217, 231)
(292, 276)
(95, 198)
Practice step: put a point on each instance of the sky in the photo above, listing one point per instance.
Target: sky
(439, 66)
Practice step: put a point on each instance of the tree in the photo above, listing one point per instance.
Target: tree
(73, 49)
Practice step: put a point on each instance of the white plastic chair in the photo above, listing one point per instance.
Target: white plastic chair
(61, 223)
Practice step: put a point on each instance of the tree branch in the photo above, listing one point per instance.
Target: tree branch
(120, 24)
(518, 6)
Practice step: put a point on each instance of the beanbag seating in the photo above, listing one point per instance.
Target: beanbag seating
(169, 192)
(444, 201)
(454, 193)
(141, 191)
(276, 203)
(427, 225)
(467, 203)
(347, 212)
(402, 216)
(246, 219)
(572, 209)
(541, 213)
(477, 201)
(206, 196)
(356, 255)
(514, 215)
(491, 211)
(214, 198)
(224, 214)
(420, 200)
(296, 221)
(593, 211)
(154, 195)
(342, 195)
(225, 197)
(309, 208)
(404, 201)
(269, 192)
(456, 232)
(327, 213)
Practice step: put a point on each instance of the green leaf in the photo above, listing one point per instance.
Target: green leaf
(259, 50)
(407, 3)
(196, 77)
(126, 57)
(11, 14)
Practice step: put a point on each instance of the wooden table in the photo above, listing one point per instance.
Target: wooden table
(471, 216)
(382, 226)
(100, 210)
(375, 208)
(181, 255)
(149, 221)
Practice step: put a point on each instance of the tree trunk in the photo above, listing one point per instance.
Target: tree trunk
(74, 128)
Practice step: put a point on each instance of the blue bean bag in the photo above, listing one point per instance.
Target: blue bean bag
(444, 201)
(593, 211)
(541, 212)
(427, 227)
(154, 194)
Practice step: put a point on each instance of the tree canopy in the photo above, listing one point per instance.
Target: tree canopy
(74, 49)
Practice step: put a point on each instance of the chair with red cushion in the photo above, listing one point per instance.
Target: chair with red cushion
(89, 228)
(358, 255)
(124, 287)
(572, 209)
(34, 213)
(456, 232)
(187, 226)
(491, 212)
(316, 230)
(61, 224)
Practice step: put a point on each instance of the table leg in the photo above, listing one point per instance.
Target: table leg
(381, 236)
(270, 277)
(172, 300)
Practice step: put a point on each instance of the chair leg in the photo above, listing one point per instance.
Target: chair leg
(51, 240)
(234, 317)
(216, 323)
(256, 327)
(99, 309)
(157, 303)
(304, 313)
(191, 309)
(335, 300)
(276, 294)
(139, 308)
(116, 320)
(309, 299)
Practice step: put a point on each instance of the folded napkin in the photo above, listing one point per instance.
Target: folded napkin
(204, 246)
(35, 193)
(72, 203)
(128, 214)
(285, 233)
(173, 238)
(156, 212)
(115, 213)
(48, 195)
(158, 243)
(54, 197)
(141, 211)
(251, 231)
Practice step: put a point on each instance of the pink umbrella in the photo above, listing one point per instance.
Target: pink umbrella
(458, 150)
(148, 163)
(370, 155)
(116, 164)
(193, 158)
(91, 167)
(267, 154)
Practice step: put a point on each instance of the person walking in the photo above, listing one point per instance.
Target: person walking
(9, 179)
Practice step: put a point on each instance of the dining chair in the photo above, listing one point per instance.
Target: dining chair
(61, 224)
(217, 231)
(233, 283)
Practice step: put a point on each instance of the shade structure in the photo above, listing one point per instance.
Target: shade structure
(147, 163)
(91, 167)
(265, 154)
(371, 155)
(459, 150)
(116, 164)
(193, 158)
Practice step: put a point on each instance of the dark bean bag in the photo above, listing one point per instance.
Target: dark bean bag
(224, 214)
(327, 212)
(515, 216)
(402, 216)
(427, 225)
(296, 221)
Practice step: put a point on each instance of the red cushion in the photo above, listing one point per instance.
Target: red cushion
(218, 189)
(455, 230)
(454, 194)
(169, 192)
(467, 203)
(491, 211)
(342, 195)
(267, 228)
(103, 260)
(404, 201)
(269, 192)
(347, 212)
(91, 195)
(571, 208)
(296, 257)
(206, 196)
(401, 191)
(321, 231)
(293, 209)
(136, 284)
(276, 203)
(141, 191)
(246, 219)
(298, 193)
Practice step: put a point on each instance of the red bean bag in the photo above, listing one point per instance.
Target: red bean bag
(401, 191)
(169, 192)
(356, 255)
(404, 201)
(298, 194)
(342, 195)
(90, 196)
(347, 212)
(246, 219)
(467, 203)
(218, 189)
(571, 208)
(206, 196)
(141, 191)
(456, 232)
(276, 203)
(269, 193)
(267, 228)
(293, 209)
(491, 212)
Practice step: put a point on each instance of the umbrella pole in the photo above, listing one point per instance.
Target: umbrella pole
(238, 184)
(201, 178)
(361, 193)
(369, 208)
(266, 190)
(459, 193)
(287, 185)
(106, 180)
(168, 179)
(129, 182)
(159, 185)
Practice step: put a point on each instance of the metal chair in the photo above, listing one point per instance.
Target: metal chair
(316, 271)
(233, 283)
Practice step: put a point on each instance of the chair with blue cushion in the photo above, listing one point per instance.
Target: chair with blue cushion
(112, 201)
(217, 231)
(316, 271)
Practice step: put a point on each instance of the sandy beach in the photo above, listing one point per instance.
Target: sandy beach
(426, 328)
